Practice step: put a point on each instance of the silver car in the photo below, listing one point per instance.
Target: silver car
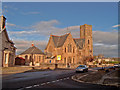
(82, 68)
(116, 65)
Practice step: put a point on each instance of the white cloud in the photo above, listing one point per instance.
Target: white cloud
(30, 13)
(10, 24)
(45, 28)
(110, 38)
(116, 25)
(106, 42)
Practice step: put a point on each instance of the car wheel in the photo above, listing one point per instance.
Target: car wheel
(83, 70)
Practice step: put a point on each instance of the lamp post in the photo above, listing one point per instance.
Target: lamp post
(102, 59)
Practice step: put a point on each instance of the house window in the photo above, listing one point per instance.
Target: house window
(69, 48)
(73, 49)
(65, 60)
(34, 58)
(88, 42)
(43, 58)
(65, 49)
(6, 58)
(39, 58)
(73, 60)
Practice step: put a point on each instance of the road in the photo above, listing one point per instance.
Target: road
(47, 79)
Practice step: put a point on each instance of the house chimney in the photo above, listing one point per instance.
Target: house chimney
(32, 44)
(2, 22)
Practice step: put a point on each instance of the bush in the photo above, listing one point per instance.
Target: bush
(113, 62)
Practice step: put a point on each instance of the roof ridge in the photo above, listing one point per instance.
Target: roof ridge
(60, 35)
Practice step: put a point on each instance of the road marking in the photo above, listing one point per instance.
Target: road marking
(43, 83)
(36, 85)
(20, 89)
(67, 77)
(57, 80)
(82, 76)
(53, 81)
(29, 87)
(48, 82)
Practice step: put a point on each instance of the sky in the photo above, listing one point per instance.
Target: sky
(35, 21)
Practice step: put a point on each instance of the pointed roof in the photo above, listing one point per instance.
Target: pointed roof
(32, 50)
(79, 42)
(59, 40)
(3, 29)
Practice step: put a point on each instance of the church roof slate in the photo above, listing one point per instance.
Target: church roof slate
(79, 42)
(60, 40)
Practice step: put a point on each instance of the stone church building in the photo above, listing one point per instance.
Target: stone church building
(68, 50)
(7, 48)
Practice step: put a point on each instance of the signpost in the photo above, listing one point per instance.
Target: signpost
(58, 57)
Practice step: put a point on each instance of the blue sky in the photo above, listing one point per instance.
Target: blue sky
(41, 19)
(101, 15)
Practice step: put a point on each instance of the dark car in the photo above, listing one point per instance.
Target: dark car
(82, 68)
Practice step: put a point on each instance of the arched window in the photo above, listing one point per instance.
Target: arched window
(73, 60)
(39, 58)
(73, 49)
(88, 42)
(65, 60)
(69, 48)
(43, 59)
(65, 49)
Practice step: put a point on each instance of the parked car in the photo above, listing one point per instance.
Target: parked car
(82, 68)
(116, 65)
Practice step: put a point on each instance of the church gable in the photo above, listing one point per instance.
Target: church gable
(68, 41)
(79, 42)
(59, 40)
(50, 44)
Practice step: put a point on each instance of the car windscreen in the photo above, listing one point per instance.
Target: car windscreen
(81, 66)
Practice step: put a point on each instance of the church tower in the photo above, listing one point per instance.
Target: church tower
(86, 34)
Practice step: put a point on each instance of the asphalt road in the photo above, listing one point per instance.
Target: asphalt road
(48, 79)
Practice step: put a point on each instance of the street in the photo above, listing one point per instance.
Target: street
(47, 79)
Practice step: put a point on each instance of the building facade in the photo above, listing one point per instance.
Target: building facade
(68, 50)
(7, 48)
(33, 56)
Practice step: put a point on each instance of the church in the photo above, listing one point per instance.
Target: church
(66, 50)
